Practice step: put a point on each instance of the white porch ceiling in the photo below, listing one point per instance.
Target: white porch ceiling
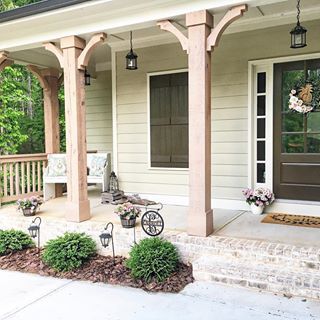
(266, 14)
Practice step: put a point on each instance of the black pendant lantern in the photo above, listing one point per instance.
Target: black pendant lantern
(87, 77)
(298, 33)
(131, 57)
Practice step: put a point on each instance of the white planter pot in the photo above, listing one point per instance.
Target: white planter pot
(256, 209)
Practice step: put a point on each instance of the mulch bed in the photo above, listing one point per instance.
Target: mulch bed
(97, 269)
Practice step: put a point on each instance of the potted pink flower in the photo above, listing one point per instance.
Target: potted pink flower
(128, 214)
(29, 206)
(258, 199)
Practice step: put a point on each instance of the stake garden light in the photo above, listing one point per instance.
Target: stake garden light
(106, 236)
(298, 33)
(131, 57)
(34, 229)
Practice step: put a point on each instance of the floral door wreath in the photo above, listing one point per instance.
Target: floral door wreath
(305, 97)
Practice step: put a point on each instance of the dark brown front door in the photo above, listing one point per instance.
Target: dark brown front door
(296, 136)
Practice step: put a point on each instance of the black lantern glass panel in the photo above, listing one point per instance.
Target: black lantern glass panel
(298, 37)
(87, 78)
(298, 33)
(131, 57)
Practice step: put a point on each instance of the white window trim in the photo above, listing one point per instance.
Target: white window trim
(255, 66)
(150, 74)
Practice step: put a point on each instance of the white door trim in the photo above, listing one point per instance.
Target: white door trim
(267, 65)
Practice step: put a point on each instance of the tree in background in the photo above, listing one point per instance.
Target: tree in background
(21, 106)
(12, 4)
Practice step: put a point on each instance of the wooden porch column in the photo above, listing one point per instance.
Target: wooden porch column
(50, 82)
(73, 56)
(200, 218)
(201, 38)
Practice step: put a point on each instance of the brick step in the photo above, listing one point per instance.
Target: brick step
(261, 276)
(248, 251)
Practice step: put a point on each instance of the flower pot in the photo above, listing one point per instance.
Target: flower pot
(128, 223)
(256, 209)
(28, 212)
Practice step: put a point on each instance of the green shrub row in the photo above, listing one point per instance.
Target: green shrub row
(152, 259)
(14, 240)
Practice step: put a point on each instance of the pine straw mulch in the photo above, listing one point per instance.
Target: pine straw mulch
(97, 269)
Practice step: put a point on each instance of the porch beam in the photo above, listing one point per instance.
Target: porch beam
(200, 38)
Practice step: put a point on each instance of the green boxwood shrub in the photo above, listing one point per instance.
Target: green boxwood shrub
(69, 251)
(14, 240)
(153, 259)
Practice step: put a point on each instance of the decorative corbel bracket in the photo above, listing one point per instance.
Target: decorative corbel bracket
(216, 33)
(3, 56)
(42, 80)
(168, 26)
(85, 55)
(6, 63)
(60, 80)
(50, 46)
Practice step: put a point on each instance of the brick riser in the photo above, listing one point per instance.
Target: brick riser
(274, 267)
(259, 276)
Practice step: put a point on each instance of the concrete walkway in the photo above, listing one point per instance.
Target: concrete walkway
(31, 297)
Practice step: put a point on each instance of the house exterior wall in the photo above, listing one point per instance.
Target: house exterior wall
(230, 143)
(99, 112)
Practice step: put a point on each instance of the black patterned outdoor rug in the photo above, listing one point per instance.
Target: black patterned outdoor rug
(292, 220)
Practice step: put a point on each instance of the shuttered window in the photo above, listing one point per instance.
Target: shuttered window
(169, 120)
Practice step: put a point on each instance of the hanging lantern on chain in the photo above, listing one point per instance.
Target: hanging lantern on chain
(298, 33)
(131, 57)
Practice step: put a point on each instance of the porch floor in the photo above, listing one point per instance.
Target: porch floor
(227, 223)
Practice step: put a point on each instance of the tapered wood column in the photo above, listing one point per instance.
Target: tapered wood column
(199, 43)
(78, 205)
(50, 83)
(200, 217)
(73, 55)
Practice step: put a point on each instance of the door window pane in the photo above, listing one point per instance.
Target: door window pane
(313, 122)
(292, 143)
(261, 82)
(261, 104)
(261, 150)
(289, 81)
(261, 172)
(292, 122)
(261, 128)
(313, 143)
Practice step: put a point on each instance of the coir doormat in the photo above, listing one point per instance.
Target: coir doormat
(292, 220)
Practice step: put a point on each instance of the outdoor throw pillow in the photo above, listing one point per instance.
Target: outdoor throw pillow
(97, 165)
(57, 167)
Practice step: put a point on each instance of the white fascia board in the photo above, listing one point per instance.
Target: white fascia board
(31, 32)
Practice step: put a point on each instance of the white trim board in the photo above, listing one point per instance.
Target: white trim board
(114, 111)
(267, 65)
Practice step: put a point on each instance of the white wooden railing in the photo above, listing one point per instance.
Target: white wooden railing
(21, 176)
